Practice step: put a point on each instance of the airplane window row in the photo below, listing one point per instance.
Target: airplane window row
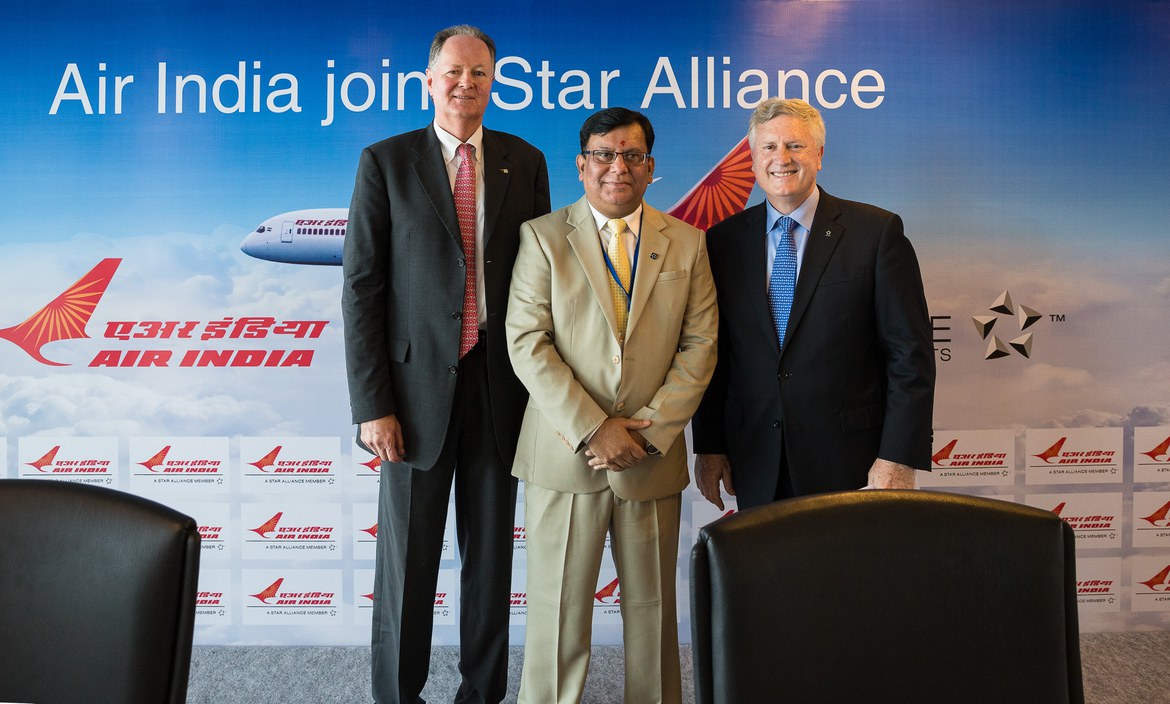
(320, 231)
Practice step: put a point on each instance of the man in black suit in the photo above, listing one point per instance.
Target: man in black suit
(433, 233)
(830, 386)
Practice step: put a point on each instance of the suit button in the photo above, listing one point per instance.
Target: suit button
(785, 376)
(456, 315)
(616, 359)
(462, 263)
(452, 368)
(621, 407)
(775, 424)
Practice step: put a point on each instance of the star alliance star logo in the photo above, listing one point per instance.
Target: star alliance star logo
(1025, 318)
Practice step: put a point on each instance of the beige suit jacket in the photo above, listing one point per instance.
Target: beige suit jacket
(564, 348)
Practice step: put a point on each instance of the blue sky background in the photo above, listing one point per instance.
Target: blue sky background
(1045, 114)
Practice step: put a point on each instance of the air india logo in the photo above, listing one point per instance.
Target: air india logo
(1159, 582)
(722, 192)
(1161, 452)
(273, 595)
(65, 317)
(159, 463)
(1086, 521)
(1025, 318)
(50, 463)
(270, 463)
(1158, 518)
(1056, 454)
(947, 457)
(609, 595)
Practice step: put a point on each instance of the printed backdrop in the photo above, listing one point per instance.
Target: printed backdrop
(141, 346)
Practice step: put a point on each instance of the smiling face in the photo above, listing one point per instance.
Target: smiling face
(460, 83)
(785, 159)
(616, 189)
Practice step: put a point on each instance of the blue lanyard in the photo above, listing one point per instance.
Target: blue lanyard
(633, 265)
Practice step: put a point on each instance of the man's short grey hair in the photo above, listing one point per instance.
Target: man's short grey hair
(772, 108)
(464, 30)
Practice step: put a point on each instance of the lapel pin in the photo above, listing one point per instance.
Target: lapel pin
(503, 171)
(828, 233)
(654, 255)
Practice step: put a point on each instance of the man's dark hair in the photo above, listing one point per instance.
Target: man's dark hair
(609, 119)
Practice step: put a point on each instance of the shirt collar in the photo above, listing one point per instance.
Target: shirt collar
(633, 220)
(803, 215)
(449, 143)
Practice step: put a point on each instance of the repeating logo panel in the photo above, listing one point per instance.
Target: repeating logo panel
(971, 458)
(1074, 455)
(79, 459)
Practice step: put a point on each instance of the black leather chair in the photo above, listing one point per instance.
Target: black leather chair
(97, 595)
(886, 596)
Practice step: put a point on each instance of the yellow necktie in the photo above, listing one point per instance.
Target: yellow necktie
(621, 264)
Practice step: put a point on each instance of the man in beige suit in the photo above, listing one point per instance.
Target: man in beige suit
(611, 327)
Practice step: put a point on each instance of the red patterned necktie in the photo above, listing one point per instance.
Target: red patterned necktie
(465, 208)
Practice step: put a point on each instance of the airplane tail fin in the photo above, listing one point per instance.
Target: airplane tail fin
(722, 192)
(66, 316)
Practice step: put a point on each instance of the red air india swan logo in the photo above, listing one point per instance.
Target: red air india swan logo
(609, 594)
(46, 460)
(1161, 453)
(269, 592)
(65, 317)
(1159, 582)
(269, 527)
(1052, 452)
(1158, 517)
(159, 459)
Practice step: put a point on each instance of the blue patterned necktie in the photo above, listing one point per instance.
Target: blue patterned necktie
(782, 285)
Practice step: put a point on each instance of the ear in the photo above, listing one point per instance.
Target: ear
(581, 167)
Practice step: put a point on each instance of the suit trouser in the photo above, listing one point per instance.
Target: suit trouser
(565, 539)
(412, 517)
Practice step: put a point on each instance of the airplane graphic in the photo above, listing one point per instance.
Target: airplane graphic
(64, 317)
(315, 235)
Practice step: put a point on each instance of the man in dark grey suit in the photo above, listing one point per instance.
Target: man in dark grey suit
(433, 233)
(829, 386)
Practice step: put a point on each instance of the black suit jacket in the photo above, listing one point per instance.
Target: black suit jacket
(856, 378)
(404, 281)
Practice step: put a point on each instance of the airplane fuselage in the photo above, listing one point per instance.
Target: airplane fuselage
(312, 236)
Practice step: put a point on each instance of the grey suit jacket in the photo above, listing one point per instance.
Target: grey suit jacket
(564, 345)
(404, 279)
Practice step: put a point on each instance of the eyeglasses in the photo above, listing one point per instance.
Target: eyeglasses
(608, 156)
